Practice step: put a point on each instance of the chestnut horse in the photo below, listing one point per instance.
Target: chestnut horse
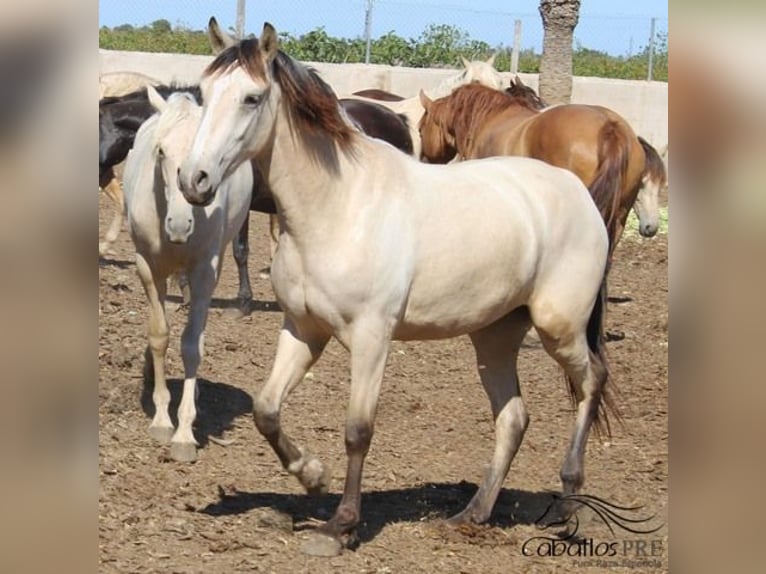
(594, 142)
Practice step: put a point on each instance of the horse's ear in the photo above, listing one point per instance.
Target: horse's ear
(519, 83)
(466, 63)
(491, 60)
(425, 100)
(269, 42)
(155, 99)
(219, 40)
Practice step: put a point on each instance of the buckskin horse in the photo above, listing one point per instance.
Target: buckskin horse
(377, 246)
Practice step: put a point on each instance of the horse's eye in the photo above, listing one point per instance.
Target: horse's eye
(252, 100)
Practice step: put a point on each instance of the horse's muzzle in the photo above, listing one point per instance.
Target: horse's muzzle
(179, 229)
(199, 190)
(649, 230)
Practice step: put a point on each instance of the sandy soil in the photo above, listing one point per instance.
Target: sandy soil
(236, 510)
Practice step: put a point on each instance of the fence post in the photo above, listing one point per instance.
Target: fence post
(651, 50)
(240, 19)
(516, 46)
(367, 30)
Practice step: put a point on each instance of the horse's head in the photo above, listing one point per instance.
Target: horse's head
(525, 95)
(483, 73)
(653, 181)
(241, 102)
(178, 119)
(437, 139)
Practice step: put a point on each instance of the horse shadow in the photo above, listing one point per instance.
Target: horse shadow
(430, 501)
(219, 303)
(218, 404)
(106, 261)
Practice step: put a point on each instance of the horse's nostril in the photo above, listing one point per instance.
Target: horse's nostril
(201, 180)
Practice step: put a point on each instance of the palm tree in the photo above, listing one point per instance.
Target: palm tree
(559, 20)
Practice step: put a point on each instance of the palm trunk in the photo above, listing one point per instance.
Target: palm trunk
(559, 20)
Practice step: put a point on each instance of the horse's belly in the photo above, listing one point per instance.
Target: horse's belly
(447, 306)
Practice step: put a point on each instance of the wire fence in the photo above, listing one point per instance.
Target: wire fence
(617, 35)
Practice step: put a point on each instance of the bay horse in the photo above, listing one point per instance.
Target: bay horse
(171, 236)
(595, 143)
(376, 94)
(653, 180)
(376, 246)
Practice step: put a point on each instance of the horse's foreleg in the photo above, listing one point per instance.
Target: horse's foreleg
(370, 343)
(497, 348)
(183, 446)
(297, 350)
(114, 191)
(241, 249)
(161, 427)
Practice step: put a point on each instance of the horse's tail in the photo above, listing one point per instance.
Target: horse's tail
(600, 365)
(611, 175)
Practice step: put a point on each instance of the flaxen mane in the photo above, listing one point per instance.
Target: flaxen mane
(312, 106)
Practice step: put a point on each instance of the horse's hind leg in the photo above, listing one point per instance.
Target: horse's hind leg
(161, 427)
(497, 348)
(566, 341)
(114, 191)
(241, 249)
(297, 350)
(183, 446)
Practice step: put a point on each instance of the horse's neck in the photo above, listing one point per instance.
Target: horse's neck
(301, 183)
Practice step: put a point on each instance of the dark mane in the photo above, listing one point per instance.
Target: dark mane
(526, 96)
(163, 89)
(654, 167)
(312, 106)
(468, 107)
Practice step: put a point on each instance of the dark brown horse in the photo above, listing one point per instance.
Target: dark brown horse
(376, 94)
(594, 142)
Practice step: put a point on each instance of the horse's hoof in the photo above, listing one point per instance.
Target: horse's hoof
(322, 545)
(105, 249)
(183, 451)
(315, 477)
(234, 313)
(161, 434)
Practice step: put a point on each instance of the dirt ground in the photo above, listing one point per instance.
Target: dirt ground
(236, 510)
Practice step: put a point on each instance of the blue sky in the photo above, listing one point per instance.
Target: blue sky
(615, 26)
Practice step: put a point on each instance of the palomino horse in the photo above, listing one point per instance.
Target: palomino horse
(376, 246)
(653, 180)
(593, 142)
(172, 236)
(482, 73)
(119, 120)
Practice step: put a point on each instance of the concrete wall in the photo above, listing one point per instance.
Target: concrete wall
(643, 104)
